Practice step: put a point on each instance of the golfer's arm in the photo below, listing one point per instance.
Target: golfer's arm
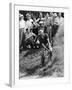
(49, 45)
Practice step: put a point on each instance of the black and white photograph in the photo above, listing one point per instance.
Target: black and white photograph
(41, 44)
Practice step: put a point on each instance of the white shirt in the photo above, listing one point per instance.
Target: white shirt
(22, 25)
(61, 20)
(56, 21)
(28, 24)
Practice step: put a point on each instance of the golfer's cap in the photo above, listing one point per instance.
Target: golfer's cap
(41, 31)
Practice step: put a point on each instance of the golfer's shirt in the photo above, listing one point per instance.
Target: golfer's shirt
(43, 39)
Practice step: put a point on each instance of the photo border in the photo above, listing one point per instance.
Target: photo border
(15, 63)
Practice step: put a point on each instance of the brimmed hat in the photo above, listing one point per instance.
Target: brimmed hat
(21, 15)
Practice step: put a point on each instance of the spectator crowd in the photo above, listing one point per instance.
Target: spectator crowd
(37, 31)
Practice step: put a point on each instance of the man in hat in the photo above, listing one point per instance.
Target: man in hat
(21, 22)
(55, 24)
(61, 19)
(44, 40)
(21, 29)
(48, 22)
(56, 19)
